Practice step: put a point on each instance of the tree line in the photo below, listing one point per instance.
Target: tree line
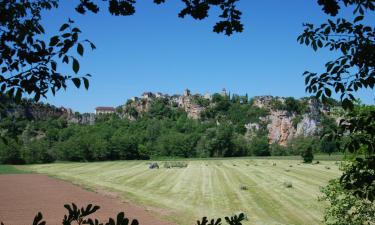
(164, 130)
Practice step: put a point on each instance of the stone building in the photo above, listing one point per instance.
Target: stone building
(104, 110)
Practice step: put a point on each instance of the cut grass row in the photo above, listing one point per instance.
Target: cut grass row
(211, 187)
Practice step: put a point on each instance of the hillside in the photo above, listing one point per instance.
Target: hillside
(285, 117)
(159, 125)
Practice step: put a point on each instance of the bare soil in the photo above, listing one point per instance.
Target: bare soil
(22, 196)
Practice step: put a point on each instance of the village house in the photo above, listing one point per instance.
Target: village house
(104, 110)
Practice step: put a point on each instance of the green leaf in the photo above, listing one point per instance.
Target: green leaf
(54, 40)
(80, 49)
(77, 82)
(65, 59)
(54, 65)
(358, 18)
(327, 92)
(75, 65)
(64, 26)
(85, 82)
(18, 95)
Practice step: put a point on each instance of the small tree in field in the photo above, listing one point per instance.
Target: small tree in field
(307, 155)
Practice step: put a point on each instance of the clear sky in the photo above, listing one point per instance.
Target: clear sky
(154, 50)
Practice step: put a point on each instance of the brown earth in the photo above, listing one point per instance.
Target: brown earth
(22, 196)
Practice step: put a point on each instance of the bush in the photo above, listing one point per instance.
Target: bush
(345, 207)
(10, 152)
(278, 150)
(259, 146)
(307, 155)
(38, 151)
(352, 197)
(299, 144)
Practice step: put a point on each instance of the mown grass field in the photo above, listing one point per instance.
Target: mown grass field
(212, 187)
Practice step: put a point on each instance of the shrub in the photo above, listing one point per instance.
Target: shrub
(278, 150)
(259, 146)
(307, 155)
(352, 197)
(345, 207)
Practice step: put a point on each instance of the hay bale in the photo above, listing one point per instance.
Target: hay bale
(244, 187)
(153, 165)
(287, 184)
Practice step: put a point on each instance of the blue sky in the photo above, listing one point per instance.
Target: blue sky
(154, 50)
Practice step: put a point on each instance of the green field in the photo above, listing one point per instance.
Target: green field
(9, 169)
(211, 187)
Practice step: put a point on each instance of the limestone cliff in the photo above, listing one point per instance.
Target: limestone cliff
(283, 125)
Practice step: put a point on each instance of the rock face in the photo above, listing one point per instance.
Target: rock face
(40, 111)
(143, 104)
(187, 103)
(281, 127)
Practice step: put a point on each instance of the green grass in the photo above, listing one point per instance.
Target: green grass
(320, 157)
(9, 169)
(211, 187)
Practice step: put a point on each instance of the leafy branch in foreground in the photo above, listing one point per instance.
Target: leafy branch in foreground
(233, 220)
(353, 40)
(79, 216)
(29, 63)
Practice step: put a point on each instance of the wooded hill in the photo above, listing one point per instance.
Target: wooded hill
(158, 125)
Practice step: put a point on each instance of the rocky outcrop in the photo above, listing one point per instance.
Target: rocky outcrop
(187, 103)
(136, 106)
(30, 110)
(282, 127)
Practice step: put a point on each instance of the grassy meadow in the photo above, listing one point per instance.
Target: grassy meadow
(211, 187)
